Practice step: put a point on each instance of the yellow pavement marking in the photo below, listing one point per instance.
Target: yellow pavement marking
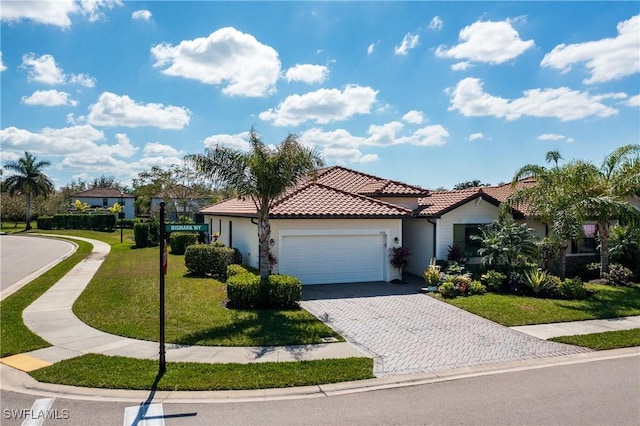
(24, 362)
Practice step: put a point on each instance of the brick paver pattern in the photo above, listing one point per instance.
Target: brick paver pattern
(408, 332)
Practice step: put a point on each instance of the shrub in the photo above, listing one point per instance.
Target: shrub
(448, 290)
(45, 222)
(213, 259)
(281, 291)
(516, 283)
(572, 288)
(454, 268)
(400, 257)
(125, 223)
(553, 286)
(536, 280)
(493, 280)
(180, 240)
(244, 291)
(476, 287)
(141, 235)
(454, 254)
(618, 275)
(461, 283)
(235, 269)
(154, 231)
(432, 274)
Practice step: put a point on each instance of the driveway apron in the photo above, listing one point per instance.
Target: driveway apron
(408, 332)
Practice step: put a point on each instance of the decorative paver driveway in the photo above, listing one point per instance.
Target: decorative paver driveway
(408, 332)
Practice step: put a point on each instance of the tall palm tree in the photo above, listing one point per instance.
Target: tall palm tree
(605, 200)
(553, 199)
(263, 174)
(28, 179)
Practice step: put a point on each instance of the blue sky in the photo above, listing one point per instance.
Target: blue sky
(429, 93)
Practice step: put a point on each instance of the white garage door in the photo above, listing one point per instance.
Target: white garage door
(324, 259)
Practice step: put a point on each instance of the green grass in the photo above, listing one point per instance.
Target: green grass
(13, 227)
(604, 341)
(16, 337)
(123, 299)
(510, 310)
(127, 373)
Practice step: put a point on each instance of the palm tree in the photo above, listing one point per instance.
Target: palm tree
(263, 174)
(553, 200)
(606, 199)
(29, 180)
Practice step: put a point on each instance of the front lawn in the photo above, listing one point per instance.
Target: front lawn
(604, 341)
(510, 310)
(122, 299)
(112, 372)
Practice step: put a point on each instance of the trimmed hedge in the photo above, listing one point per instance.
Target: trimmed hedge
(213, 259)
(180, 240)
(235, 270)
(98, 222)
(245, 290)
(141, 235)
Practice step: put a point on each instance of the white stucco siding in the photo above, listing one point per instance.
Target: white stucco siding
(539, 228)
(418, 237)
(388, 229)
(476, 211)
(236, 232)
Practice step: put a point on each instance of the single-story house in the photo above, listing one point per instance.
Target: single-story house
(103, 198)
(342, 225)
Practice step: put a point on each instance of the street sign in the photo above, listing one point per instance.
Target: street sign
(198, 227)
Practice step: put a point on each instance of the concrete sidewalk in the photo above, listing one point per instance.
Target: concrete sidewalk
(51, 317)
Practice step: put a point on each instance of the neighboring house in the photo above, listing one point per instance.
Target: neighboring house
(179, 203)
(103, 198)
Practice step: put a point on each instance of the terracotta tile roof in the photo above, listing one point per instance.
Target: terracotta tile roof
(441, 202)
(304, 202)
(364, 184)
(335, 203)
(333, 192)
(103, 193)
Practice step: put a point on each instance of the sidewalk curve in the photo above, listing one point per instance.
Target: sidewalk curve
(52, 318)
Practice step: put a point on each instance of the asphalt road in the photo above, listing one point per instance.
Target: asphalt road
(605, 392)
(21, 256)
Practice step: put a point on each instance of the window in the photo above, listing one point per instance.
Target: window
(105, 202)
(462, 234)
(588, 243)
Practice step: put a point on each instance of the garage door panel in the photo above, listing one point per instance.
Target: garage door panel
(320, 259)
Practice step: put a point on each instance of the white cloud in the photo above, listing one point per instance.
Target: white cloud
(49, 98)
(83, 80)
(141, 15)
(413, 117)
(2, 67)
(114, 110)
(469, 98)
(607, 59)
(434, 135)
(551, 137)
(44, 69)
(633, 101)
(370, 49)
(475, 136)
(461, 66)
(55, 13)
(227, 57)
(239, 141)
(409, 42)
(153, 149)
(487, 41)
(436, 23)
(322, 106)
(307, 73)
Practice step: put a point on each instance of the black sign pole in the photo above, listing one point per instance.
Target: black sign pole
(163, 259)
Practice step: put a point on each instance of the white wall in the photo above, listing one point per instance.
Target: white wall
(244, 235)
(418, 237)
(475, 211)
